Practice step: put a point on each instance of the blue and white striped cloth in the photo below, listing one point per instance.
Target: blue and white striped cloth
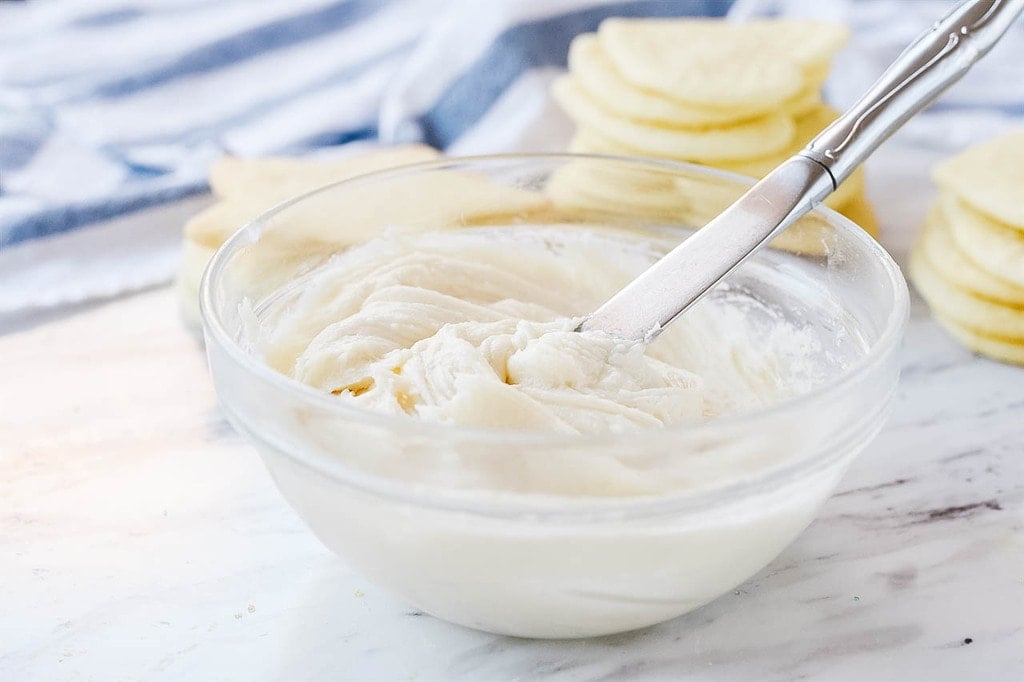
(112, 106)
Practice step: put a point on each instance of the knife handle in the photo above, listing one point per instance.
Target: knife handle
(926, 68)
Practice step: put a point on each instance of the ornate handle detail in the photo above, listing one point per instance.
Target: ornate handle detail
(932, 63)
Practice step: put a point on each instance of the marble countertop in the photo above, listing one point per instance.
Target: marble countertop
(140, 538)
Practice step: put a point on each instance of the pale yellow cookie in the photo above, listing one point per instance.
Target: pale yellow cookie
(284, 177)
(644, 193)
(981, 316)
(718, 63)
(812, 235)
(306, 234)
(849, 199)
(859, 210)
(816, 73)
(670, 198)
(992, 245)
(849, 193)
(327, 221)
(212, 226)
(250, 187)
(939, 248)
(594, 73)
(806, 101)
(997, 349)
(990, 178)
(194, 259)
(807, 127)
(588, 141)
(757, 137)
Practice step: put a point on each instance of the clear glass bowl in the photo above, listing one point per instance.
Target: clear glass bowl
(460, 521)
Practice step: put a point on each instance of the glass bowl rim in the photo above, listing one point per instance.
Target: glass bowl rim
(887, 342)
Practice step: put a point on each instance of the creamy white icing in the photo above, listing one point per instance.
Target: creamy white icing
(475, 328)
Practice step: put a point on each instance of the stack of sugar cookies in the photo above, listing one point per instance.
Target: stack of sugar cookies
(737, 96)
(324, 223)
(968, 262)
(245, 188)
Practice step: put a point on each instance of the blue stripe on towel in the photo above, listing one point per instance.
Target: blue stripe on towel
(65, 218)
(108, 17)
(543, 42)
(239, 47)
(332, 138)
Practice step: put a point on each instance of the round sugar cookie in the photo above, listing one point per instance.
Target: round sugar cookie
(761, 166)
(565, 193)
(576, 190)
(804, 102)
(811, 235)
(989, 178)
(595, 75)
(325, 222)
(719, 63)
(696, 201)
(274, 179)
(756, 137)
(849, 192)
(993, 246)
(807, 127)
(984, 317)
(859, 210)
(666, 197)
(194, 259)
(585, 184)
(212, 226)
(248, 187)
(997, 349)
(816, 73)
(939, 248)
(588, 141)
(849, 199)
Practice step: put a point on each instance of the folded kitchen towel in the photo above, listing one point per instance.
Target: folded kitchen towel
(112, 110)
(112, 107)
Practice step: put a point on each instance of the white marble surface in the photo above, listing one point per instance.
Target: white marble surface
(141, 539)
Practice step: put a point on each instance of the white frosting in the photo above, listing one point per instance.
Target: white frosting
(479, 326)
(476, 328)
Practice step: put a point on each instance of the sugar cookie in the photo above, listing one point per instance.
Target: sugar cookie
(859, 210)
(646, 193)
(849, 199)
(979, 315)
(285, 177)
(757, 137)
(718, 63)
(938, 247)
(595, 75)
(997, 349)
(998, 249)
(989, 178)
(326, 221)
(807, 127)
